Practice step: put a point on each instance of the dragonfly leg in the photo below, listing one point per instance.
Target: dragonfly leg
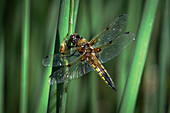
(63, 45)
(73, 54)
(97, 55)
(70, 46)
(83, 57)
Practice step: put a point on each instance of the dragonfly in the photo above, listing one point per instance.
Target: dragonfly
(84, 56)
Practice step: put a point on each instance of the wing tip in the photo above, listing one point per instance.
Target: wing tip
(132, 35)
(45, 61)
(121, 15)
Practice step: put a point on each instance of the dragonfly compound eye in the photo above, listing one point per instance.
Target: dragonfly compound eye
(77, 36)
(74, 38)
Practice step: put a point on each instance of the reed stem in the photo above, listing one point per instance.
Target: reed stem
(24, 57)
(135, 73)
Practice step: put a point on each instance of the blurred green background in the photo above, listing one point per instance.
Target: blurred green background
(28, 31)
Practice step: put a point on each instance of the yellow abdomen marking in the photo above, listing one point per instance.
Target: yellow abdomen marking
(106, 82)
(93, 65)
(97, 70)
(103, 78)
(100, 74)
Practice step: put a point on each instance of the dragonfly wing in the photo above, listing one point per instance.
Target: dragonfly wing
(79, 69)
(54, 60)
(113, 48)
(58, 76)
(59, 59)
(110, 32)
(75, 71)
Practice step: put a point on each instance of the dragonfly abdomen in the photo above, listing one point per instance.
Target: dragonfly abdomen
(102, 71)
(105, 76)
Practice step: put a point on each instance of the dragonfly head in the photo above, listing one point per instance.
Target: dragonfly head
(75, 38)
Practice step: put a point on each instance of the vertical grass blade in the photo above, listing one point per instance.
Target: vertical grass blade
(65, 26)
(133, 23)
(51, 29)
(72, 98)
(169, 106)
(1, 71)
(70, 31)
(55, 96)
(2, 58)
(135, 73)
(150, 74)
(163, 57)
(55, 93)
(76, 7)
(24, 57)
(169, 109)
(71, 19)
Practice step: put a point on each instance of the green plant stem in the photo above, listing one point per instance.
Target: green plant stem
(70, 31)
(135, 73)
(24, 59)
(134, 9)
(73, 86)
(1, 72)
(150, 74)
(54, 101)
(52, 22)
(163, 58)
(71, 19)
(65, 26)
(2, 58)
(169, 106)
(76, 7)
(55, 93)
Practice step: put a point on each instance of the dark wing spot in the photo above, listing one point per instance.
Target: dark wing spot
(62, 53)
(121, 15)
(69, 65)
(107, 28)
(110, 42)
(126, 32)
(46, 57)
(99, 49)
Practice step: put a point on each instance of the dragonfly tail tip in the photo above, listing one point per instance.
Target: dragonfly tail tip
(113, 87)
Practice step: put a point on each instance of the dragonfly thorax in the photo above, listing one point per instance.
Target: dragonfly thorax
(88, 48)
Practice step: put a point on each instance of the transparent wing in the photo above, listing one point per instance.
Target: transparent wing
(75, 71)
(113, 48)
(110, 32)
(60, 60)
